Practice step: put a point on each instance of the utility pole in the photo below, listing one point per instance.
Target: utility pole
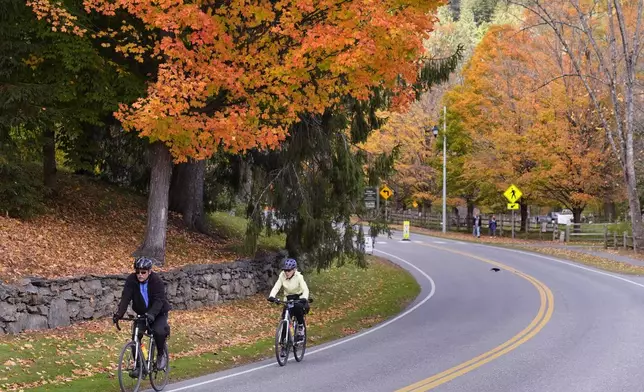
(444, 169)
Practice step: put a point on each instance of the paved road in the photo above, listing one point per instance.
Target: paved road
(539, 324)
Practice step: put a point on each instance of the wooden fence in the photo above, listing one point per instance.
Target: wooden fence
(595, 234)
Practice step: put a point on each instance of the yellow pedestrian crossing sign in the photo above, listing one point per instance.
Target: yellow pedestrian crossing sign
(414, 204)
(385, 192)
(512, 194)
(513, 206)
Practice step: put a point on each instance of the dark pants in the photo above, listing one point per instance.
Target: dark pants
(298, 310)
(160, 330)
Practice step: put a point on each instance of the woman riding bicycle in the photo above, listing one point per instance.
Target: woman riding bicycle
(292, 281)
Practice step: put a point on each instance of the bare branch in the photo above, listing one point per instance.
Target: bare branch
(564, 76)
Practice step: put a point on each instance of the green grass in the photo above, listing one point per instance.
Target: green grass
(234, 227)
(347, 299)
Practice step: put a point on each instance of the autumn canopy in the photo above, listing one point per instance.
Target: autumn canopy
(240, 72)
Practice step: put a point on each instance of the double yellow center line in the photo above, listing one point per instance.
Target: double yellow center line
(540, 320)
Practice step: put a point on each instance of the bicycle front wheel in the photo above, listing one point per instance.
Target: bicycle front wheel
(159, 378)
(299, 345)
(281, 343)
(130, 370)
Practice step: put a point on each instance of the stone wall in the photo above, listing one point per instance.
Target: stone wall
(42, 303)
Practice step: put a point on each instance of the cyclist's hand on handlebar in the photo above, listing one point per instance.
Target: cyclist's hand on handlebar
(272, 299)
(115, 318)
(150, 318)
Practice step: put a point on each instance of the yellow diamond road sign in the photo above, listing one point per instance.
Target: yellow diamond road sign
(415, 204)
(385, 192)
(513, 206)
(512, 193)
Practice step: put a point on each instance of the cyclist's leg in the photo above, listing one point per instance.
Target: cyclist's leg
(160, 330)
(298, 312)
(283, 330)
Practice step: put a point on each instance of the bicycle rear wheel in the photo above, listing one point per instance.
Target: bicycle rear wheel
(129, 379)
(299, 346)
(159, 378)
(281, 344)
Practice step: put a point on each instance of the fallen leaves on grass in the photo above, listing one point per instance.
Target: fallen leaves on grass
(86, 349)
(591, 260)
(94, 227)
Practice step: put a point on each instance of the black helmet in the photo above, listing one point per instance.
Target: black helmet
(143, 263)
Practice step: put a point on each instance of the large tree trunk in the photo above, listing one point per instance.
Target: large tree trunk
(193, 212)
(610, 211)
(245, 185)
(470, 215)
(524, 218)
(49, 159)
(576, 217)
(634, 203)
(186, 193)
(153, 245)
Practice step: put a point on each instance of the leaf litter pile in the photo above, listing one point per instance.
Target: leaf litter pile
(93, 228)
(90, 349)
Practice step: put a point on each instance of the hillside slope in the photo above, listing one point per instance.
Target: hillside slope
(92, 228)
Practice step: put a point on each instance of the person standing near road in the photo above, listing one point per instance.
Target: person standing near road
(492, 226)
(477, 226)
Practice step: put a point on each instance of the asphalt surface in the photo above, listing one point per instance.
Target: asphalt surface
(538, 324)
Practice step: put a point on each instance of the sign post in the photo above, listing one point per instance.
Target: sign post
(368, 244)
(406, 231)
(370, 197)
(513, 194)
(386, 193)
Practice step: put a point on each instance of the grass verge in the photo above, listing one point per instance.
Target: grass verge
(234, 228)
(83, 357)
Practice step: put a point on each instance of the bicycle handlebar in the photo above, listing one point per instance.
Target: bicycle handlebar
(131, 318)
(279, 301)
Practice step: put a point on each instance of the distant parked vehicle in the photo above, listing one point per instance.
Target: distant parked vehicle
(565, 217)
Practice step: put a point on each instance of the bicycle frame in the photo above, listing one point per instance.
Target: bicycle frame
(135, 331)
(147, 363)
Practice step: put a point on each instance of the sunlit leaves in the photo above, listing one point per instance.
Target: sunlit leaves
(240, 74)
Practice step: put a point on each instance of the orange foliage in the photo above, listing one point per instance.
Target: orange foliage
(414, 178)
(240, 73)
(530, 126)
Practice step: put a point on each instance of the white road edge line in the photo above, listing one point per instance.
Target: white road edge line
(430, 295)
(573, 265)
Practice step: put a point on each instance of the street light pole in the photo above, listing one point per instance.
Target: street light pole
(444, 169)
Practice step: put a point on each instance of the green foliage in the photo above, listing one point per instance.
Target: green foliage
(21, 188)
(59, 82)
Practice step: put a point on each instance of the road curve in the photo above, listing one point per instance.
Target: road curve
(538, 324)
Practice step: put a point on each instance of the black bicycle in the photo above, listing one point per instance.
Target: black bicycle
(285, 338)
(136, 361)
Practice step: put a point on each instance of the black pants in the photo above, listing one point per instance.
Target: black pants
(160, 330)
(298, 310)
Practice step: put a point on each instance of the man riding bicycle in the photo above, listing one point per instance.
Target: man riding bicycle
(146, 290)
(294, 287)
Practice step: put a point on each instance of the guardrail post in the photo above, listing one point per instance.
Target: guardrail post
(615, 245)
(634, 244)
(625, 243)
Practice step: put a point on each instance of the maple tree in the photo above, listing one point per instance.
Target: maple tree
(540, 137)
(611, 33)
(239, 73)
(413, 178)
